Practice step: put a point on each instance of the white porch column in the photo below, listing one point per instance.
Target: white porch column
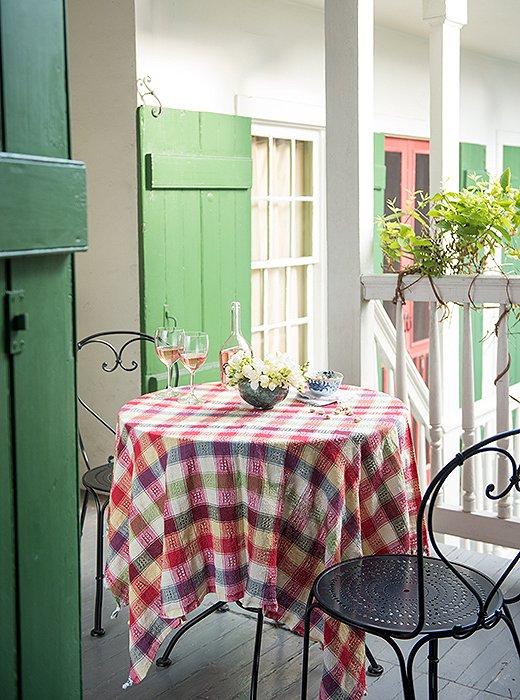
(446, 18)
(349, 41)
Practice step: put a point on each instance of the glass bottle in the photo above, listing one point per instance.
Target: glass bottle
(233, 343)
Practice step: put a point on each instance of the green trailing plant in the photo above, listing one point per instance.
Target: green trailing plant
(453, 233)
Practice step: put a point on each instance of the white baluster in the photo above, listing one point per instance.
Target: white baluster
(401, 380)
(468, 413)
(502, 394)
(435, 393)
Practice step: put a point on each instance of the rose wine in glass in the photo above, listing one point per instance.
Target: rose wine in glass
(168, 344)
(193, 355)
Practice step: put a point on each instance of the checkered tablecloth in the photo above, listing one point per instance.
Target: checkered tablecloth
(253, 505)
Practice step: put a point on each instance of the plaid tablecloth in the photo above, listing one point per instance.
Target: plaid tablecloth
(253, 505)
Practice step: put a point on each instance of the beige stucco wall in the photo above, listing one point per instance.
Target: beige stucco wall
(102, 74)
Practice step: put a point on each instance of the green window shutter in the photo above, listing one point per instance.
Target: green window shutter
(511, 160)
(472, 159)
(194, 228)
(379, 195)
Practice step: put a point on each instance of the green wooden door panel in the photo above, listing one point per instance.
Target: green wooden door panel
(472, 159)
(46, 481)
(9, 636)
(42, 204)
(195, 227)
(511, 160)
(32, 37)
(379, 196)
(197, 172)
(32, 190)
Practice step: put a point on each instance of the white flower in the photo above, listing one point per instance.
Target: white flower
(277, 370)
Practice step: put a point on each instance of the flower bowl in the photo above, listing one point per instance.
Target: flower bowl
(325, 383)
(260, 397)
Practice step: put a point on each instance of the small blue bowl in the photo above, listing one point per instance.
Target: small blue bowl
(323, 384)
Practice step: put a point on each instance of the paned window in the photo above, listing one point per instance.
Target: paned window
(286, 220)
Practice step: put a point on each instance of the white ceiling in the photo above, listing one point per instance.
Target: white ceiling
(493, 25)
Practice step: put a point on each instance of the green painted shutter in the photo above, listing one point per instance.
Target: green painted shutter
(195, 227)
(42, 203)
(379, 195)
(472, 159)
(511, 159)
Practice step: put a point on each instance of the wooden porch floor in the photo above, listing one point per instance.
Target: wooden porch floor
(213, 659)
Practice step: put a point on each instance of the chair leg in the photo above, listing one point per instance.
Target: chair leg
(84, 510)
(256, 654)
(509, 622)
(164, 661)
(98, 631)
(406, 675)
(306, 642)
(433, 669)
(373, 668)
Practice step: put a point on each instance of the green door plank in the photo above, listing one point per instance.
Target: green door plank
(511, 159)
(47, 482)
(197, 172)
(32, 37)
(195, 227)
(32, 191)
(472, 159)
(9, 636)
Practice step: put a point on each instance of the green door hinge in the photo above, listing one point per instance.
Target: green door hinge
(17, 320)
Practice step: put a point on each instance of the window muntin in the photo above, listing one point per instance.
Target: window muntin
(285, 242)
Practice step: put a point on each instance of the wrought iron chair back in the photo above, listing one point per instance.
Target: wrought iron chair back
(118, 350)
(496, 444)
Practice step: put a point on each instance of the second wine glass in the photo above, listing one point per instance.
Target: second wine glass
(168, 344)
(193, 355)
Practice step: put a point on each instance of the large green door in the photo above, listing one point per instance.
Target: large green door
(195, 226)
(42, 221)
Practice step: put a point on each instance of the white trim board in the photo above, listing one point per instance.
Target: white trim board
(280, 111)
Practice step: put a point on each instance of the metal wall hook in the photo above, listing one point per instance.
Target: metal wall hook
(144, 89)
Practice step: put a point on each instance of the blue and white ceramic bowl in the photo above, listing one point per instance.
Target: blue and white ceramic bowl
(323, 384)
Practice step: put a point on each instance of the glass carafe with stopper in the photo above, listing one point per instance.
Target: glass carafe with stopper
(233, 343)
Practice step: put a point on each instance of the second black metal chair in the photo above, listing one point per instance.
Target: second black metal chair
(399, 597)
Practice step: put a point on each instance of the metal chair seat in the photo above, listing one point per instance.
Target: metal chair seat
(99, 478)
(380, 592)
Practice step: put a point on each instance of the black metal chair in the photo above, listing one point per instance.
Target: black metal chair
(97, 480)
(400, 597)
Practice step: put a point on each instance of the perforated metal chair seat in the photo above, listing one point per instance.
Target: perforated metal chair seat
(99, 478)
(381, 592)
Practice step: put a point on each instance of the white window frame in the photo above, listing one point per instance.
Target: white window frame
(317, 278)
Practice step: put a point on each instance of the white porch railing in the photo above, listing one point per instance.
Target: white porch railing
(443, 427)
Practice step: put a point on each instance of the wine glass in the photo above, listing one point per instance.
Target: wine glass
(193, 355)
(168, 344)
